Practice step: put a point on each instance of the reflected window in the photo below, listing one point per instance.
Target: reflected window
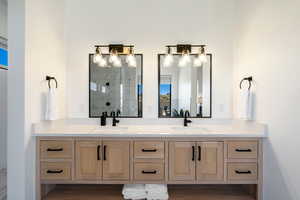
(165, 96)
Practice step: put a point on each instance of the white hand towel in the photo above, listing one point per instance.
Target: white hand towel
(245, 104)
(134, 191)
(157, 191)
(51, 107)
(156, 188)
(133, 188)
(158, 197)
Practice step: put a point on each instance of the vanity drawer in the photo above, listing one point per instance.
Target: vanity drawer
(242, 149)
(242, 171)
(56, 171)
(149, 171)
(56, 149)
(149, 149)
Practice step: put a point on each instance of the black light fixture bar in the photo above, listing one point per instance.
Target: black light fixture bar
(192, 45)
(119, 48)
(181, 48)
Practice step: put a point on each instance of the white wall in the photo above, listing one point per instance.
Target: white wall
(36, 46)
(3, 18)
(149, 25)
(3, 117)
(16, 97)
(268, 48)
(3, 89)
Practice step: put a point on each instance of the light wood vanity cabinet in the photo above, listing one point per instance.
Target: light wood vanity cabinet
(182, 161)
(80, 160)
(210, 161)
(97, 160)
(116, 160)
(201, 161)
(88, 162)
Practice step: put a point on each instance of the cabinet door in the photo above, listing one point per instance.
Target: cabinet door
(88, 160)
(116, 160)
(182, 161)
(210, 161)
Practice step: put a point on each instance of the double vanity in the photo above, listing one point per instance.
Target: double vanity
(180, 147)
(225, 153)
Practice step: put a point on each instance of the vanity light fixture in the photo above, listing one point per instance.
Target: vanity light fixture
(185, 50)
(114, 59)
(130, 58)
(169, 58)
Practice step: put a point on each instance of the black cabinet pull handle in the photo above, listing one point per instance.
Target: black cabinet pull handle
(243, 172)
(193, 153)
(104, 152)
(199, 153)
(98, 152)
(60, 149)
(243, 150)
(149, 150)
(54, 171)
(149, 172)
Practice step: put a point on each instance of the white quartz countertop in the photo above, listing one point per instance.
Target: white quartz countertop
(77, 128)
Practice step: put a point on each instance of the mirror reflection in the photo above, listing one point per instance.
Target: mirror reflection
(116, 87)
(184, 86)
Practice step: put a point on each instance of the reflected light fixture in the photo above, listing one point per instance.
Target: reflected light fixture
(168, 58)
(185, 59)
(130, 58)
(98, 58)
(201, 57)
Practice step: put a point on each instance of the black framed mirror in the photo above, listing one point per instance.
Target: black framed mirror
(116, 87)
(184, 85)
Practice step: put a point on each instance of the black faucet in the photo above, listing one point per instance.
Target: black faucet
(118, 113)
(114, 120)
(186, 121)
(103, 118)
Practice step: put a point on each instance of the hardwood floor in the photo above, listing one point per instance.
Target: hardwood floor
(176, 192)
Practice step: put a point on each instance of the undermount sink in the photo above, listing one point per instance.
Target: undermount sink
(117, 128)
(190, 128)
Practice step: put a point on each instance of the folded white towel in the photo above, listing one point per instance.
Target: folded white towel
(156, 188)
(158, 197)
(51, 107)
(136, 197)
(133, 188)
(245, 104)
(134, 191)
(157, 191)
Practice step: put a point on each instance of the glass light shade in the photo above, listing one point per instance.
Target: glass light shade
(97, 58)
(102, 62)
(117, 63)
(131, 60)
(168, 60)
(113, 58)
(184, 60)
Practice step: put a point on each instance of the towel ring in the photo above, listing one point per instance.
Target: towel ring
(249, 79)
(49, 78)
